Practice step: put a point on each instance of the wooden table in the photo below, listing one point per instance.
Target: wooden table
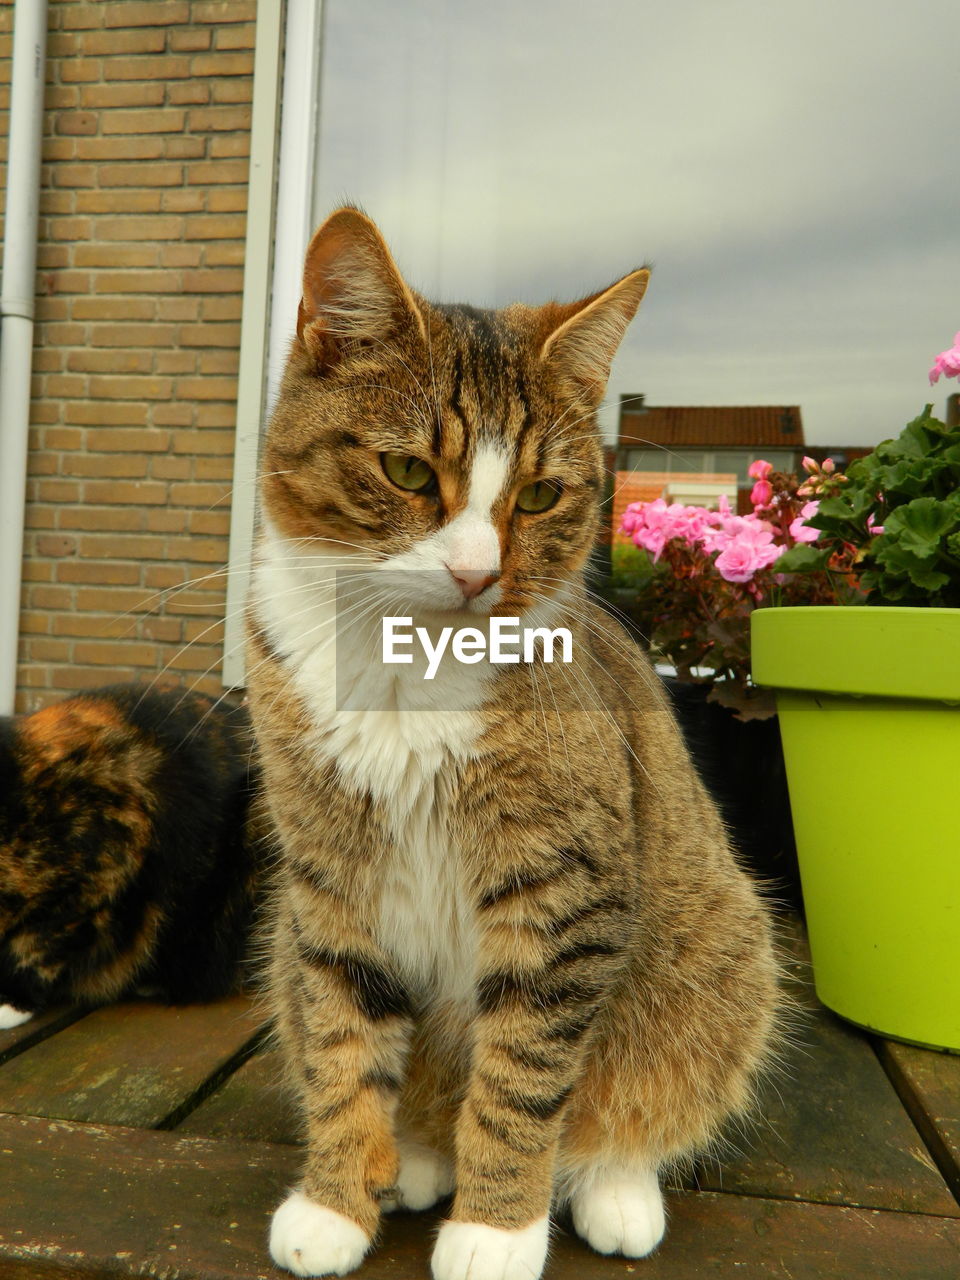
(140, 1140)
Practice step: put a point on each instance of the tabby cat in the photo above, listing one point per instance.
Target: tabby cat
(513, 957)
(129, 850)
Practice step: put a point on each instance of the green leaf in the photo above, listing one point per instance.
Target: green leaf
(899, 560)
(919, 525)
(803, 558)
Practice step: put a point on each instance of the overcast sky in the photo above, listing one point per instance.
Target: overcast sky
(791, 170)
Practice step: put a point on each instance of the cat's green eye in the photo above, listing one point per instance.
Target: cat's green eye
(412, 474)
(539, 496)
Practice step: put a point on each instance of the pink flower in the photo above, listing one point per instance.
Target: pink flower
(742, 557)
(947, 362)
(829, 467)
(761, 493)
(799, 530)
(875, 529)
(759, 470)
(809, 464)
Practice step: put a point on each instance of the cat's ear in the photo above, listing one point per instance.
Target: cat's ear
(581, 338)
(352, 290)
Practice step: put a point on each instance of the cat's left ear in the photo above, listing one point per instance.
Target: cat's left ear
(352, 290)
(582, 337)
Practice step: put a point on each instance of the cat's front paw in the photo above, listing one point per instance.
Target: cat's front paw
(472, 1251)
(425, 1176)
(621, 1214)
(311, 1240)
(12, 1017)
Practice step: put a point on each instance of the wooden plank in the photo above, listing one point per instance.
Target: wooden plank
(15, 1040)
(829, 1126)
(831, 1129)
(929, 1084)
(130, 1064)
(251, 1105)
(98, 1202)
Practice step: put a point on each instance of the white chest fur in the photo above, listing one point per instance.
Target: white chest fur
(403, 748)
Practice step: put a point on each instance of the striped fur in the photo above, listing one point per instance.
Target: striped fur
(508, 929)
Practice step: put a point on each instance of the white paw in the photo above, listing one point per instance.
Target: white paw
(310, 1240)
(11, 1017)
(621, 1214)
(425, 1177)
(471, 1251)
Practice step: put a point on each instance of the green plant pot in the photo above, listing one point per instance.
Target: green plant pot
(869, 705)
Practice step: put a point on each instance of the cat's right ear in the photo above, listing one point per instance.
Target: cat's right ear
(352, 290)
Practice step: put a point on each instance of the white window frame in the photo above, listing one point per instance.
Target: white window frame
(286, 101)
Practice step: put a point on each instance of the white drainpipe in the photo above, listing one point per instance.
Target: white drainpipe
(16, 317)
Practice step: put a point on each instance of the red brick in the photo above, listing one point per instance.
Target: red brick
(180, 255)
(137, 282)
(141, 175)
(216, 226)
(210, 335)
(123, 95)
(189, 41)
(90, 519)
(115, 42)
(176, 362)
(128, 388)
(227, 119)
(125, 148)
(149, 13)
(225, 280)
(159, 120)
(123, 440)
(105, 571)
(221, 11)
(126, 200)
(232, 90)
(117, 413)
(225, 253)
(109, 653)
(161, 227)
(234, 63)
(188, 93)
(92, 361)
(116, 255)
(186, 148)
(133, 335)
(76, 122)
(226, 200)
(178, 308)
(183, 200)
(114, 309)
(123, 466)
(81, 70)
(82, 16)
(146, 493)
(163, 520)
(196, 495)
(237, 37)
(91, 626)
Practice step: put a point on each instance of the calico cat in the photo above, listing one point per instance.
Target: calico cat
(130, 852)
(513, 956)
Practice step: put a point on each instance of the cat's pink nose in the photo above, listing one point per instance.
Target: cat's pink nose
(472, 581)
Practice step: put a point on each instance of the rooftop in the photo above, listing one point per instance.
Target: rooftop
(751, 425)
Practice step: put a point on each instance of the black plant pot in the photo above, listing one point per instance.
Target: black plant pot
(741, 764)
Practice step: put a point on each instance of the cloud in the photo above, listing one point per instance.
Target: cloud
(789, 169)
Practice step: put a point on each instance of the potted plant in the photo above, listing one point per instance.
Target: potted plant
(689, 579)
(869, 707)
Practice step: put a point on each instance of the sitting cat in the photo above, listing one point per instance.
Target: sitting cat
(513, 955)
(128, 849)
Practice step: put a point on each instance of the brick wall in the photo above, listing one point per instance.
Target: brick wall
(140, 272)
